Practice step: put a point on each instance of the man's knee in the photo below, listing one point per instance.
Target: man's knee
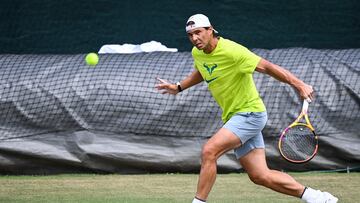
(260, 178)
(208, 153)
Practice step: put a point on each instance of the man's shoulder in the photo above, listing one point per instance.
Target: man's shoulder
(231, 43)
(194, 50)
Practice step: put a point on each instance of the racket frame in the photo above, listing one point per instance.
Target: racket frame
(297, 122)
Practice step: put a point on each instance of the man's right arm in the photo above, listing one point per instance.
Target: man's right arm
(283, 75)
(191, 80)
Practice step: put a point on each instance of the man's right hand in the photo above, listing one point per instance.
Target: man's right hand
(166, 87)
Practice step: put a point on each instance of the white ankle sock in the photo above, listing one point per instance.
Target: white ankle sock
(197, 201)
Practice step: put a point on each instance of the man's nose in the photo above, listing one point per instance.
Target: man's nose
(194, 37)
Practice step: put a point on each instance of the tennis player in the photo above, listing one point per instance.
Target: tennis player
(227, 68)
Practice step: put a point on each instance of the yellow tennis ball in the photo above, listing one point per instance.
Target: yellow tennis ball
(92, 59)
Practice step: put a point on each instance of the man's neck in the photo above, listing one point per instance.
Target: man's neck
(212, 45)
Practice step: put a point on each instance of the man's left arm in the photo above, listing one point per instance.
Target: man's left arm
(283, 75)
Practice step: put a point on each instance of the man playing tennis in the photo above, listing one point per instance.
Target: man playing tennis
(227, 67)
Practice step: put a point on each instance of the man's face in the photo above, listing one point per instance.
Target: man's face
(200, 37)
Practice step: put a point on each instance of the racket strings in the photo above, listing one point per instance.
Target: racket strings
(299, 143)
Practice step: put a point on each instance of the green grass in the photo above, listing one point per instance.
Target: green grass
(164, 188)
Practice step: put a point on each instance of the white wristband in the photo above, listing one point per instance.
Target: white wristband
(179, 86)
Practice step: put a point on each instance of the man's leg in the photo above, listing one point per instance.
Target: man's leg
(223, 141)
(255, 165)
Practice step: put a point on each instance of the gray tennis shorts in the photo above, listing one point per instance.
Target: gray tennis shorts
(247, 126)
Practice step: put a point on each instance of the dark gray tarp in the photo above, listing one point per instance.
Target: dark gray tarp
(58, 115)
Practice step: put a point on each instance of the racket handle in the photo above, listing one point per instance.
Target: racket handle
(306, 105)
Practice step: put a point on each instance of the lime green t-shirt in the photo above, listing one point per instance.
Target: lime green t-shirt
(228, 72)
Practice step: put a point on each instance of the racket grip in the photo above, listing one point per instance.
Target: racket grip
(305, 105)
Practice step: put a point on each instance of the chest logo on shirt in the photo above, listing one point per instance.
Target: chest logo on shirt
(210, 68)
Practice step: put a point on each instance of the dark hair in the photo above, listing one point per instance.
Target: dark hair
(215, 34)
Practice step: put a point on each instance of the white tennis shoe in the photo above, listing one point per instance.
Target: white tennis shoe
(323, 197)
(316, 196)
(328, 198)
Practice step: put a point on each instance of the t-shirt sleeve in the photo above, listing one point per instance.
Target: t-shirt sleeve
(246, 60)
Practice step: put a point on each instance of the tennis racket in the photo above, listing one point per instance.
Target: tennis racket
(298, 142)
